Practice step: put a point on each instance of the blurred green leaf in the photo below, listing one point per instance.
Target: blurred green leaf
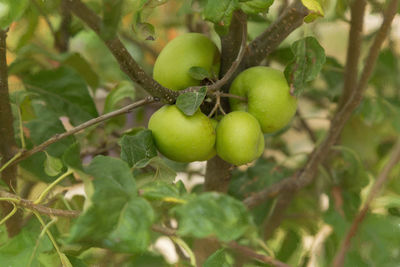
(199, 73)
(138, 149)
(72, 157)
(122, 91)
(255, 6)
(52, 165)
(64, 92)
(112, 12)
(190, 102)
(24, 247)
(218, 259)
(84, 68)
(115, 206)
(289, 245)
(213, 214)
(11, 10)
(309, 57)
(132, 232)
(160, 190)
(315, 9)
(162, 172)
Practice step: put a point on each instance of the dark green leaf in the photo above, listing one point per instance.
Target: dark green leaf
(11, 10)
(46, 125)
(138, 149)
(72, 157)
(113, 186)
(289, 245)
(112, 12)
(199, 73)
(80, 64)
(309, 57)
(64, 92)
(132, 233)
(190, 102)
(213, 214)
(218, 259)
(162, 172)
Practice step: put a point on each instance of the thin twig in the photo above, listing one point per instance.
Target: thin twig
(28, 204)
(241, 98)
(353, 50)
(376, 188)
(45, 17)
(246, 251)
(306, 127)
(83, 126)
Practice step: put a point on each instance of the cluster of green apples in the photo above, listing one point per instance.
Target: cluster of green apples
(238, 137)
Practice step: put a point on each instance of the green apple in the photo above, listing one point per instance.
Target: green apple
(268, 97)
(183, 138)
(239, 138)
(171, 68)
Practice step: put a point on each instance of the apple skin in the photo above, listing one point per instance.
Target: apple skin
(183, 138)
(239, 138)
(268, 97)
(171, 68)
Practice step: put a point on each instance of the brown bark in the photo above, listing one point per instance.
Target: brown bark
(8, 146)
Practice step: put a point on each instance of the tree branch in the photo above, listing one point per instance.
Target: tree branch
(269, 40)
(320, 153)
(8, 146)
(121, 54)
(353, 50)
(82, 126)
(376, 188)
(25, 203)
(62, 35)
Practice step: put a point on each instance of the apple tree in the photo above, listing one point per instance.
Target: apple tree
(199, 133)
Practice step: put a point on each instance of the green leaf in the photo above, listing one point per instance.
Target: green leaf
(132, 233)
(190, 102)
(117, 218)
(52, 165)
(213, 214)
(220, 12)
(46, 125)
(199, 73)
(255, 6)
(162, 191)
(113, 186)
(64, 92)
(138, 149)
(18, 251)
(162, 172)
(218, 259)
(309, 57)
(122, 91)
(112, 12)
(11, 10)
(82, 66)
(315, 9)
(289, 245)
(72, 157)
